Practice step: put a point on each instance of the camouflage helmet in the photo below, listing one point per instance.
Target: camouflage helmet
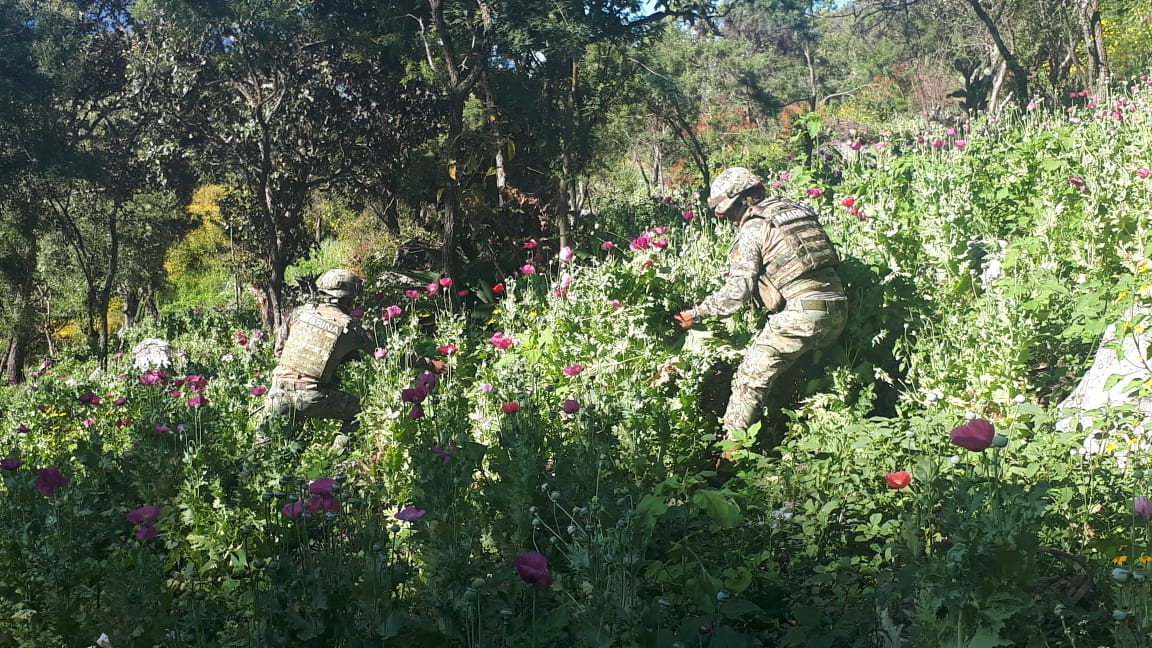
(729, 185)
(339, 283)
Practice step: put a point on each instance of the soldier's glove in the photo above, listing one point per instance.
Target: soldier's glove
(684, 319)
(439, 367)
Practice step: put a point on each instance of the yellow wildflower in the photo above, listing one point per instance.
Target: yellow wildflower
(1120, 560)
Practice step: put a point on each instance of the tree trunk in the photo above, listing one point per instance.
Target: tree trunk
(22, 331)
(150, 304)
(270, 297)
(131, 307)
(1019, 74)
(452, 209)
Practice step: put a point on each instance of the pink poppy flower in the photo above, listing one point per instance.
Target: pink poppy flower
(976, 435)
(615, 303)
(445, 282)
(856, 145)
(640, 242)
(960, 144)
(532, 567)
(463, 293)
(608, 245)
(566, 254)
(501, 341)
(88, 422)
(259, 390)
(688, 215)
(848, 201)
(659, 230)
(486, 388)
(527, 269)
(410, 514)
(393, 312)
(380, 354)
(530, 244)
(448, 349)
(899, 479)
(412, 294)
(573, 369)
(197, 401)
(49, 480)
(815, 192)
(1143, 173)
(937, 143)
(432, 288)
(1078, 183)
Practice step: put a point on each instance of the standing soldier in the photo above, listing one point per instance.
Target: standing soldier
(316, 339)
(784, 263)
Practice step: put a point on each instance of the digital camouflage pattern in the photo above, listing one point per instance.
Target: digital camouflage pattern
(727, 187)
(782, 261)
(339, 283)
(315, 340)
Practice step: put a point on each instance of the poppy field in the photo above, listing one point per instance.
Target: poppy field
(909, 486)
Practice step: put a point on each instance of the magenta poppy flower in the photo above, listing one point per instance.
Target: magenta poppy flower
(530, 244)
(532, 567)
(573, 369)
(120, 401)
(815, 192)
(608, 245)
(566, 254)
(1144, 173)
(324, 504)
(23, 429)
(660, 243)
(977, 435)
(152, 377)
(88, 422)
(89, 399)
(501, 341)
(659, 230)
(417, 412)
(527, 269)
(688, 215)
(412, 294)
(570, 406)
(615, 303)
(10, 464)
(937, 143)
(380, 354)
(293, 509)
(856, 145)
(146, 532)
(448, 349)
(144, 515)
(641, 242)
(197, 401)
(123, 423)
(486, 388)
(162, 429)
(259, 390)
(410, 514)
(1078, 183)
(49, 480)
(960, 144)
(445, 282)
(432, 288)
(463, 293)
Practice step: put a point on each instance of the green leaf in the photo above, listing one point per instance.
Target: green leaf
(717, 505)
(650, 509)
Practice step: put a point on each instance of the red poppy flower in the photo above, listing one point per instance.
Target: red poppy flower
(511, 407)
(899, 479)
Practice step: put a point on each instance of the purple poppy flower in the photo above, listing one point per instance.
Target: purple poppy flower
(49, 480)
(293, 509)
(570, 406)
(977, 435)
(426, 380)
(10, 464)
(162, 429)
(445, 454)
(259, 390)
(532, 567)
(414, 394)
(322, 486)
(410, 514)
(1143, 507)
(23, 429)
(146, 532)
(144, 515)
(417, 412)
(120, 401)
(573, 369)
(197, 401)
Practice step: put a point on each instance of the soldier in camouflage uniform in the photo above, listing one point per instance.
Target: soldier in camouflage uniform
(782, 262)
(315, 339)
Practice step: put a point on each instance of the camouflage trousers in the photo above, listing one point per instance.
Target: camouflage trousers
(786, 336)
(323, 401)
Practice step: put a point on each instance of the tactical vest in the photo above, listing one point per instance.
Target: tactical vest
(312, 341)
(803, 248)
